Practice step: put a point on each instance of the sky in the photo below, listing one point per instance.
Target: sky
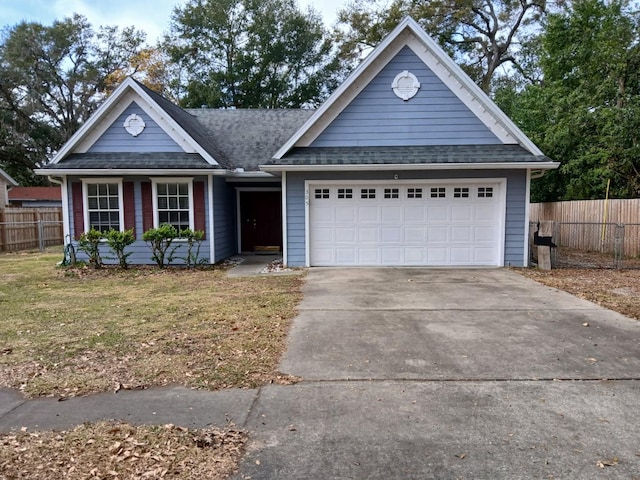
(151, 16)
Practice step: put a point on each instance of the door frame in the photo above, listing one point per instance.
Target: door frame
(502, 181)
(239, 190)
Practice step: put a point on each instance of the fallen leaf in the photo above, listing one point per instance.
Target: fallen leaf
(585, 324)
(460, 455)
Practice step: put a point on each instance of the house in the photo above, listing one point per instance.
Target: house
(6, 182)
(408, 162)
(35, 197)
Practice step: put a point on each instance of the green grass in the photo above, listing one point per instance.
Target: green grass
(75, 331)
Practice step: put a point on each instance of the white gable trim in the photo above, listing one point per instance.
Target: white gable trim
(126, 93)
(409, 33)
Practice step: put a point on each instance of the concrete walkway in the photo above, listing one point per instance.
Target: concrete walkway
(418, 374)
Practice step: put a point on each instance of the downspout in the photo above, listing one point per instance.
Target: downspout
(212, 242)
(62, 181)
(285, 248)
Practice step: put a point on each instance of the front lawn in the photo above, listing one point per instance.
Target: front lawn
(76, 331)
(617, 290)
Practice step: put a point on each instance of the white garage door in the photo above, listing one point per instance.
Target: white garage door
(435, 224)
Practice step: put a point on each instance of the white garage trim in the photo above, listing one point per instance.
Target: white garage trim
(411, 255)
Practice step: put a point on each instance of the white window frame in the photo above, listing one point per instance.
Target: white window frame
(154, 189)
(85, 198)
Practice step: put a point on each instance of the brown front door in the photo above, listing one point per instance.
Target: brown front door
(261, 217)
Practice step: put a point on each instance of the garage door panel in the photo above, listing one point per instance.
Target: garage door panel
(414, 214)
(392, 215)
(346, 235)
(434, 223)
(345, 214)
(439, 213)
(346, 256)
(461, 213)
(461, 234)
(368, 235)
(369, 256)
(368, 213)
(437, 234)
(414, 235)
(392, 256)
(391, 235)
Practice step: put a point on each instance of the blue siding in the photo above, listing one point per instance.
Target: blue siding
(515, 210)
(377, 117)
(152, 139)
(140, 251)
(224, 211)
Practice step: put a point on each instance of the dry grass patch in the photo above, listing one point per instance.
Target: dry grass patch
(618, 290)
(70, 332)
(118, 450)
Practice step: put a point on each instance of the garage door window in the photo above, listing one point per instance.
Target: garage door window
(368, 193)
(345, 193)
(414, 193)
(322, 193)
(391, 193)
(460, 192)
(438, 192)
(485, 192)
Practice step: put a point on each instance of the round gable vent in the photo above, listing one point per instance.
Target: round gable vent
(405, 85)
(134, 125)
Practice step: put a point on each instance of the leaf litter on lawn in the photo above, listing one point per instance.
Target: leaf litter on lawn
(119, 450)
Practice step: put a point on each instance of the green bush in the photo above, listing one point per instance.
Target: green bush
(194, 239)
(159, 241)
(89, 243)
(118, 241)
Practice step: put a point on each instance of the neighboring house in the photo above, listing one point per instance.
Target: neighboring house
(407, 163)
(35, 197)
(6, 182)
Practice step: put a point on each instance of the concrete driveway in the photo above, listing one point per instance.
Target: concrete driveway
(428, 373)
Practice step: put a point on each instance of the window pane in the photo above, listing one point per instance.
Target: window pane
(172, 188)
(103, 206)
(184, 203)
(184, 189)
(173, 203)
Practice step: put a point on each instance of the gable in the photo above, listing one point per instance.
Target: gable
(152, 139)
(377, 117)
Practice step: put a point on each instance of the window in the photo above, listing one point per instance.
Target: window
(414, 193)
(460, 192)
(103, 204)
(368, 193)
(438, 192)
(322, 193)
(485, 192)
(391, 193)
(345, 193)
(173, 202)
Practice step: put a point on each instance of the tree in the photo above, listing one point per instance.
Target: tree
(481, 35)
(52, 78)
(250, 53)
(586, 111)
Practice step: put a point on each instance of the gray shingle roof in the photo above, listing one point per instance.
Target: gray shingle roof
(250, 137)
(408, 155)
(191, 125)
(117, 160)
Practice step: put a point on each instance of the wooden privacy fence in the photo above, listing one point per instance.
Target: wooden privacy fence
(593, 225)
(30, 228)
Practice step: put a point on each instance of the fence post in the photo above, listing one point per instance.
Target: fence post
(544, 251)
(3, 231)
(618, 246)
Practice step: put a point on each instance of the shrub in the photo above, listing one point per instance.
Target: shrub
(159, 240)
(194, 239)
(89, 243)
(118, 241)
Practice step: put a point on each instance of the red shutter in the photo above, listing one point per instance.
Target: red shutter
(199, 222)
(128, 197)
(147, 206)
(78, 209)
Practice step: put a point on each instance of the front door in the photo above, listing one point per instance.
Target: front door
(261, 221)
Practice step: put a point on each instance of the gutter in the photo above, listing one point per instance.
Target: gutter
(539, 166)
